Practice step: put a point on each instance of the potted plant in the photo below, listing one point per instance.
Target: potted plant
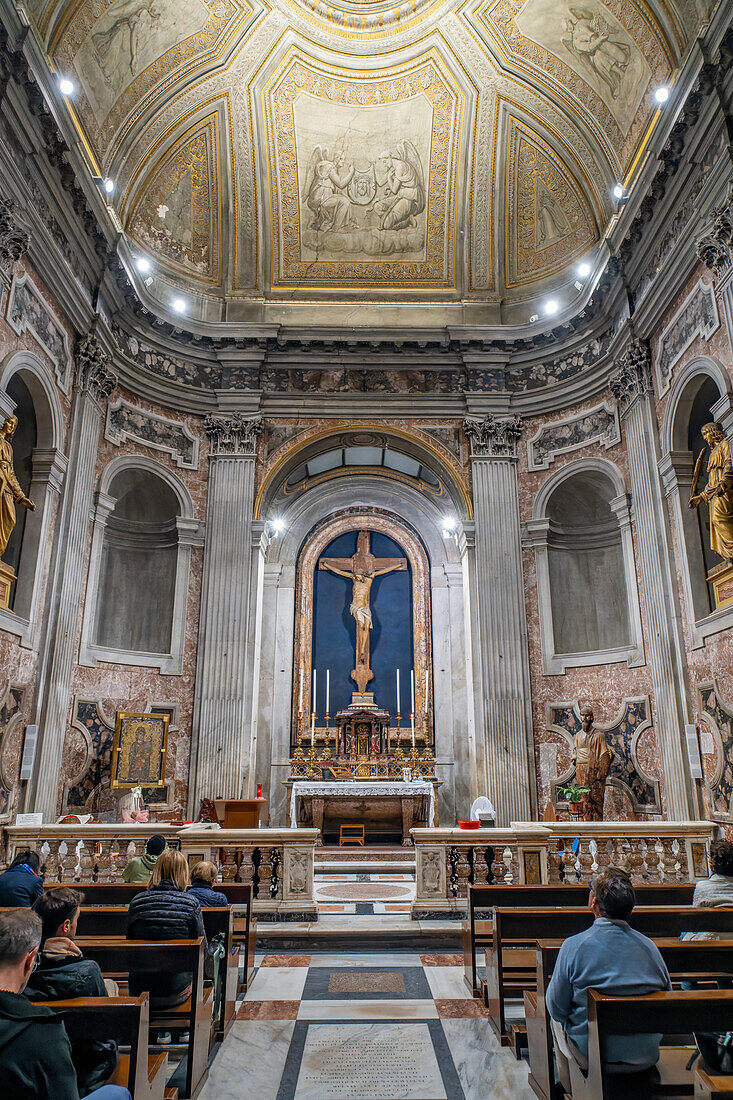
(575, 797)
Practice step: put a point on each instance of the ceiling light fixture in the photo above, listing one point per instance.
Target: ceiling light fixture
(66, 86)
(618, 191)
(661, 95)
(551, 307)
(278, 526)
(109, 185)
(533, 318)
(142, 264)
(450, 527)
(179, 305)
(584, 271)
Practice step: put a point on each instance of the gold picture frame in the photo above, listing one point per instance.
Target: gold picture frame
(139, 750)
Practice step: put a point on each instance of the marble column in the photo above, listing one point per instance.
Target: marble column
(221, 721)
(633, 390)
(501, 660)
(93, 383)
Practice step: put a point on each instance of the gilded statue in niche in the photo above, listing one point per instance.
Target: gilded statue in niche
(592, 758)
(718, 493)
(10, 490)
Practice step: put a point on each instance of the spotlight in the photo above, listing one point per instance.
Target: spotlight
(66, 86)
(450, 527)
(533, 318)
(584, 271)
(551, 307)
(278, 526)
(661, 95)
(109, 185)
(618, 191)
(142, 264)
(178, 304)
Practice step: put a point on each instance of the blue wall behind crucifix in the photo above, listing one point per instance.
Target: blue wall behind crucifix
(334, 629)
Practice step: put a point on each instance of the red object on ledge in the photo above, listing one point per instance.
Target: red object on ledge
(469, 824)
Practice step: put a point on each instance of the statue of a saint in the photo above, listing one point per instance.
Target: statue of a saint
(592, 758)
(361, 570)
(10, 491)
(718, 492)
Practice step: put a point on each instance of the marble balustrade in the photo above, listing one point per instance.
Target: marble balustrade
(531, 853)
(278, 862)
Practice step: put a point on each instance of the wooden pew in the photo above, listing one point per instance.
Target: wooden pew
(112, 921)
(126, 1019)
(117, 956)
(238, 894)
(699, 960)
(477, 933)
(511, 963)
(678, 1013)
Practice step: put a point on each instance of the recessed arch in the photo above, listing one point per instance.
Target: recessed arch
(41, 384)
(682, 395)
(141, 462)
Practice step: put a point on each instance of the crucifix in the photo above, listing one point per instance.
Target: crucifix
(361, 569)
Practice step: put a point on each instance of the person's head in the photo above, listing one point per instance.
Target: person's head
(586, 717)
(612, 894)
(59, 912)
(721, 858)
(712, 433)
(171, 867)
(155, 846)
(20, 938)
(204, 871)
(26, 858)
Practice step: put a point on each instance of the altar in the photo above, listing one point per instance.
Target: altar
(379, 806)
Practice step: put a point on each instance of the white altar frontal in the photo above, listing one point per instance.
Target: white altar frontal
(371, 803)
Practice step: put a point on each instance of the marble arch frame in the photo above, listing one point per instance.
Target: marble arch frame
(676, 473)
(538, 534)
(273, 630)
(49, 464)
(189, 535)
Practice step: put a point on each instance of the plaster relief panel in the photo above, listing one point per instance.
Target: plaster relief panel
(363, 176)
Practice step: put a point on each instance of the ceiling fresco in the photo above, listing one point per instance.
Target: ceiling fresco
(411, 151)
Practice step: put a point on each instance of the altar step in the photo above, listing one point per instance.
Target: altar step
(375, 859)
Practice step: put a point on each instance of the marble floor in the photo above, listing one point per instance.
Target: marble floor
(364, 894)
(363, 1026)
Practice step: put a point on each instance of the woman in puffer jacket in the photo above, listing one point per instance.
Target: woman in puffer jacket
(165, 912)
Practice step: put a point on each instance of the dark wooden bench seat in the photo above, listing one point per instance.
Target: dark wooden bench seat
(127, 1020)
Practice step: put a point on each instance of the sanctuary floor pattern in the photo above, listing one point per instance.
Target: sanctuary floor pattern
(366, 1026)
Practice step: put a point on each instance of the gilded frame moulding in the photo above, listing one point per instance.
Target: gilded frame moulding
(321, 536)
(426, 77)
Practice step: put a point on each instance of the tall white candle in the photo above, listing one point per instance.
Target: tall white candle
(315, 681)
(300, 701)
(398, 691)
(412, 690)
(328, 690)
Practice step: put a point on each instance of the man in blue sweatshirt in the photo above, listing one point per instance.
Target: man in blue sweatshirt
(613, 958)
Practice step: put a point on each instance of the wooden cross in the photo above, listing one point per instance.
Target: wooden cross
(361, 569)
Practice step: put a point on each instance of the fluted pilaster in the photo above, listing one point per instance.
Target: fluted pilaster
(632, 388)
(221, 719)
(93, 382)
(502, 688)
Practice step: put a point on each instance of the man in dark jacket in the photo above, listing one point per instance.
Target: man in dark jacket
(35, 1055)
(21, 884)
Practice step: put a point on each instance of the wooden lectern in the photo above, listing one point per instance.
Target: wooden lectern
(241, 813)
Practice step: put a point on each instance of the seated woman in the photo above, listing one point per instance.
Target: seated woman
(165, 911)
(21, 884)
(203, 877)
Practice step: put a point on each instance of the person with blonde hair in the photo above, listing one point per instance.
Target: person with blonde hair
(203, 877)
(165, 911)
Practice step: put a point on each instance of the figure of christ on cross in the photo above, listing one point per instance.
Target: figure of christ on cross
(361, 569)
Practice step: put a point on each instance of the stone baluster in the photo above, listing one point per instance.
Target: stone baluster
(481, 869)
(246, 866)
(463, 872)
(499, 627)
(93, 383)
(632, 388)
(221, 725)
(229, 869)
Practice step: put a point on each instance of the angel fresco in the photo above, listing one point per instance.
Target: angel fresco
(404, 187)
(326, 184)
(131, 24)
(591, 40)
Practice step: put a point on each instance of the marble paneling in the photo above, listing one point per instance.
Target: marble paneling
(445, 981)
(250, 1062)
(277, 983)
(357, 1009)
(479, 1060)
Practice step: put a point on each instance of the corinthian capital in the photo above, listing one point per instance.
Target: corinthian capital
(233, 435)
(634, 377)
(93, 364)
(715, 249)
(14, 236)
(492, 436)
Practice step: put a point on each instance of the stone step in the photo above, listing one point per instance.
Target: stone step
(345, 933)
(381, 867)
(382, 853)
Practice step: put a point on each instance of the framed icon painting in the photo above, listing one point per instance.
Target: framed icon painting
(139, 750)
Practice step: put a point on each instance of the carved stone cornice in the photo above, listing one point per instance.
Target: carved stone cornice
(93, 373)
(492, 436)
(715, 248)
(633, 379)
(233, 436)
(15, 238)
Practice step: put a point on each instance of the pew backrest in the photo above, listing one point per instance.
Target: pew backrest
(523, 926)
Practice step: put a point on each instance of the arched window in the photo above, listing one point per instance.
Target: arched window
(585, 569)
(139, 569)
(699, 395)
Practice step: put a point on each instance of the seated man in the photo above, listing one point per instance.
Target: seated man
(613, 958)
(141, 868)
(203, 877)
(35, 1054)
(21, 884)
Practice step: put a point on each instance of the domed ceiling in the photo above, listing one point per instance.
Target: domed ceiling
(278, 158)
